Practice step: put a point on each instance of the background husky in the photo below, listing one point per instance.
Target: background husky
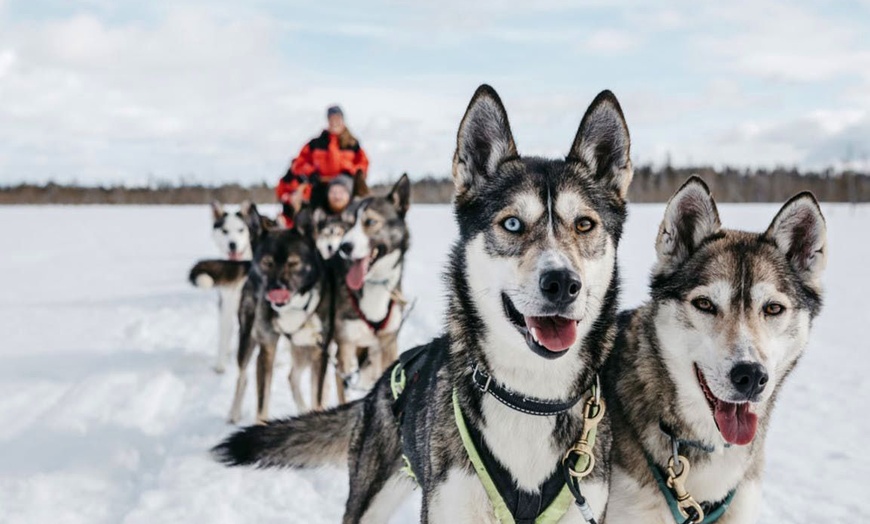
(327, 231)
(236, 235)
(729, 317)
(280, 297)
(368, 300)
(533, 288)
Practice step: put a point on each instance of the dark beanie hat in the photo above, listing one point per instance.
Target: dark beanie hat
(334, 110)
(343, 180)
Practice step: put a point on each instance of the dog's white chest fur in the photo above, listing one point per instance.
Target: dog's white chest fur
(297, 321)
(381, 280)
(520, 442)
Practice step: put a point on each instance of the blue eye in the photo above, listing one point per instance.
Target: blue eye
(512, 224)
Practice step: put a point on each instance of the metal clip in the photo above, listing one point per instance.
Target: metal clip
(474, 373)
(583, 448)
(677, 484)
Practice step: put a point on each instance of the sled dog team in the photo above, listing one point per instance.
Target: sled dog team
(541, 402)
(330, 278)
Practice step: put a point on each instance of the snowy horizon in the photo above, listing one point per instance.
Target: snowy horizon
(214, 92)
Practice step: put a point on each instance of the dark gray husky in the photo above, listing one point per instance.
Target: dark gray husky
(281, 296)
(482, 417)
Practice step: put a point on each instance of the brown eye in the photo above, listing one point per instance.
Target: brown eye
(294, 263)
(704, 304)
(584, 225)
(773, 309)
(266, 263)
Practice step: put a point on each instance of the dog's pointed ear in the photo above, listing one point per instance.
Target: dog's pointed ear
(799, 231)
(400, 195)
(317, 215)
(304, 221)
(252, 218)
(603, 144)
(483, 142)
(690, 217)
(217, 210)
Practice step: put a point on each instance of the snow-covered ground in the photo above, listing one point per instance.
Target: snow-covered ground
(108, 404)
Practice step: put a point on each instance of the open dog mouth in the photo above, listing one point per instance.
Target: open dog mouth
(736, 421)
(548, 336)
(359, 268)
(279, 297)
(235, 255)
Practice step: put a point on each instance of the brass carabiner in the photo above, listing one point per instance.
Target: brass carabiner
(677, 484)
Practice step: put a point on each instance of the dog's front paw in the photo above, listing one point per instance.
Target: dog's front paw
(204, 281)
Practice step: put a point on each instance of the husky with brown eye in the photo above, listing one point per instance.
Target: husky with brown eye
(728, 318)
(236, 235)
(483, 417)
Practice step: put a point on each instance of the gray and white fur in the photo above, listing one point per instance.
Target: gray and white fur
(728, 318)
(235, 234)
(532, 285)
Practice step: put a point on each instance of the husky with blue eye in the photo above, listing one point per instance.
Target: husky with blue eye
(483, 417)
(696, 370)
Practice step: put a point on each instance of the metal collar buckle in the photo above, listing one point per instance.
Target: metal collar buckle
(474, 379)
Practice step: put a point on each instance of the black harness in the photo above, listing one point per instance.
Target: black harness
(419, 367)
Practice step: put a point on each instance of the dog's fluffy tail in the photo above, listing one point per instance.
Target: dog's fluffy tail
(218, 273)
(319, 438)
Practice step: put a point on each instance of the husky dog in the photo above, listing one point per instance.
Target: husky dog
(695, 371)
(532, 285)
(232, 231)
(368, 301)
(235, 235)
(327, 231)
(281, 296)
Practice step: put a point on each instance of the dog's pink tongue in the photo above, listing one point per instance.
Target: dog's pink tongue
(278, 296)
(736, 423)
(356, 275)
(554, 333)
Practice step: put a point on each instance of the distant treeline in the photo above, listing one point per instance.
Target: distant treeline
(649, 185)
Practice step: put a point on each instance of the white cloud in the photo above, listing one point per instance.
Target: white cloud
(610, 41)
(789, 41)
(7, 60)
(215, 92)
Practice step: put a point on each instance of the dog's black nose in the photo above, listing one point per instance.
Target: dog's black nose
(560, 286)
(345, 248)
(749, 378)
(233, 246)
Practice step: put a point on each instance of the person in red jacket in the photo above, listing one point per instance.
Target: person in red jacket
(335, 152)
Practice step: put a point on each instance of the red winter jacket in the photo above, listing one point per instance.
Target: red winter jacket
(327, 157)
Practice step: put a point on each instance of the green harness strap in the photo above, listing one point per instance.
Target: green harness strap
(709, 517)
(554, 512)
(397, 385)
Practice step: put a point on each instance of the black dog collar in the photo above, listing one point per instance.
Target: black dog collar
(516, 401)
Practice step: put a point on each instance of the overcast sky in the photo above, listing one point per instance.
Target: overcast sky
(108, 91)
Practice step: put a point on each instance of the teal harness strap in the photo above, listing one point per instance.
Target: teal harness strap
(710, 516)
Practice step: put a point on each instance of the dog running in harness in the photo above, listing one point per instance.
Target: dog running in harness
(418, 367)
